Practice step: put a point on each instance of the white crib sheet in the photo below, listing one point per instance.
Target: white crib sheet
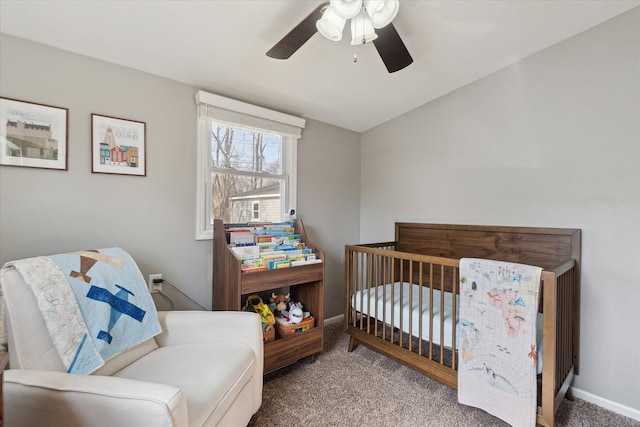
(365, 302)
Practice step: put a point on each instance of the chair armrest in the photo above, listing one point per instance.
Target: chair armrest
(60, 399)
(183, 327)
(186, 327)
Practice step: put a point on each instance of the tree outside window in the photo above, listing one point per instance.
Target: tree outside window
(246, 174)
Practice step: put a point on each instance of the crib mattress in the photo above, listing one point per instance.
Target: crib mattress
(377, 302)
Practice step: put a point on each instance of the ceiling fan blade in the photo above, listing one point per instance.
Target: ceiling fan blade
(298, 35)
(391, 48)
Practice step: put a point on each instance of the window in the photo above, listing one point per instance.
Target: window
(246, 162)
(247, 168)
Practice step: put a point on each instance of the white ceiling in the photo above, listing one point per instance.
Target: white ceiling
(220, 45)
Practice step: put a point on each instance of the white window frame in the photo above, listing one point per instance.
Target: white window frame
(246, 116)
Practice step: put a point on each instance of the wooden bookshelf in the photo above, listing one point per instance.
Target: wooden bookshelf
(305, 283)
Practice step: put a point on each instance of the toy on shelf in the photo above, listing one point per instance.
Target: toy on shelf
(293, 321)
(294, 315)
(295, 312)
(254, 303)
(279, 302)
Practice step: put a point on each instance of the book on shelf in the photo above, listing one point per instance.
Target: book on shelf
(244, 252)
(279, 263)
(268, 246)
(305, 262)
(253, 264)
(273, 256)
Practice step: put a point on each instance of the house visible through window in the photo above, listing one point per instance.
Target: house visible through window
(246, 169)
(246, 162)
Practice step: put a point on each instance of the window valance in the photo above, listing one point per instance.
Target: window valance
(252, 117)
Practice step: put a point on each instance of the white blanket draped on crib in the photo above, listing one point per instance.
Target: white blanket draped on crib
(498, 312)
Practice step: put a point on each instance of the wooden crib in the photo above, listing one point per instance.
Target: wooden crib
(426, 257)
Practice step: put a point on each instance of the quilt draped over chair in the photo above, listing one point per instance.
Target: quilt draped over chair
(90, 313)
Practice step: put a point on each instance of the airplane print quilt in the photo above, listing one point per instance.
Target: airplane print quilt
(95, 304)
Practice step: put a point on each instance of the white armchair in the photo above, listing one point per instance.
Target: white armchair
(204, 369)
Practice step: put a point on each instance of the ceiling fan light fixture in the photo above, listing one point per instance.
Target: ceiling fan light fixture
(387, 41)
(346, 9)
(362, 29)
(382, 12)
(331, 25)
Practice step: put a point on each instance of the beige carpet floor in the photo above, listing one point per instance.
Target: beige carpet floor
(364, 388)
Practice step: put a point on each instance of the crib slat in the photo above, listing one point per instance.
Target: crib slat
(386, 273)
(392, 314)
(376, 281)
(371, 271)
(441, 317)
(421, 308)
(454, 320)
(409, 340)
(431, 311)
(360, 286)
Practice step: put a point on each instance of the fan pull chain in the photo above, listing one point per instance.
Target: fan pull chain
(355, 54)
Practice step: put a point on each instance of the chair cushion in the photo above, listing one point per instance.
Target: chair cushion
(126, 358)
(210, 375)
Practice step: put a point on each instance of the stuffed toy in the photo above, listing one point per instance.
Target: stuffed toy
(280, 302)
(254, 303)
(295, 312)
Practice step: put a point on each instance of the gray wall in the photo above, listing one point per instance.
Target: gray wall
(553, 141)
(46, 211)
(329, 199)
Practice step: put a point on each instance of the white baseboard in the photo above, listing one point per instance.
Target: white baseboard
(335, 319)
(607, 404)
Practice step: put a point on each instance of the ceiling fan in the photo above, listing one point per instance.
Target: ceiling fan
(370, 21)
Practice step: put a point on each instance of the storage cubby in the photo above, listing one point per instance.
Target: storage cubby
(305, 283)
